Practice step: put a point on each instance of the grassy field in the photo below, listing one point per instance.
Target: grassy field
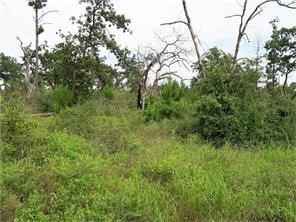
(107, 165)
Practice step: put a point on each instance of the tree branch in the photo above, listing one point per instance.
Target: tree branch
(173, 23)
(194, 37)
(245, 20)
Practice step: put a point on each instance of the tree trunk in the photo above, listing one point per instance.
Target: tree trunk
(194, 39)
(285, 83)
(36, 81)
(139, 96)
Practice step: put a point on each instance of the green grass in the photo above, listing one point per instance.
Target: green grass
(152, 175)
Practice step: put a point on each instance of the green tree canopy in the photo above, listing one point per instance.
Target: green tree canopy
(281, 54)
(10, 71)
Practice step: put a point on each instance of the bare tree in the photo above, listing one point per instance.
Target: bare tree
(194, 37)
(246, 18)
(159, 64)
(27, 58)
(37, 5)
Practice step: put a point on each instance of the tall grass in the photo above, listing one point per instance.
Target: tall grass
(108, 168)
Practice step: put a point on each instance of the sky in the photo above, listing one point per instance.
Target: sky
(208, 19)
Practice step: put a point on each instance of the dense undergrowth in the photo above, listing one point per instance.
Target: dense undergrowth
(100, 161)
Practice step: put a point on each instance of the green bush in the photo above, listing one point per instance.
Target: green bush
(13, 123)
(54, 100)
(79, 120)
(231, 108)
(167, 104)
(108, 93)
(108, 134)
(61, 98)
(44, 100)
(16, 132)
(112, 135)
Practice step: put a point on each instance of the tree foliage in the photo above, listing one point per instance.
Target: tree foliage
(232, 108)
(78, 61)
(166, 104)
(65, 66)
(281, 54)
(94, 27)
(10, 71)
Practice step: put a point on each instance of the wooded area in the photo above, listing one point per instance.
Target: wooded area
(82, 140)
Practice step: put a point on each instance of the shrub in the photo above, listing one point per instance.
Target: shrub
(54, 100)
(112, 135)
(44, 100)
(79, 120)
(108, 93)
(231, 108)
(16, 132)
(167, 104)
(281, 119)
(61, 98)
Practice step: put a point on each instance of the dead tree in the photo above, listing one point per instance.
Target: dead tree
(194, 38)
(246, 18)
(27, 58)
(158, 63)
(38, 6)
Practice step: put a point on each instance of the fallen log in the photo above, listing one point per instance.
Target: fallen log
(41, 115)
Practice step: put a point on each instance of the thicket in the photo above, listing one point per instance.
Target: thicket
(229, 106)
(233, 108)
(54, 100)
(167, 103)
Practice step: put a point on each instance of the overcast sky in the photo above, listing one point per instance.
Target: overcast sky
(208, 18)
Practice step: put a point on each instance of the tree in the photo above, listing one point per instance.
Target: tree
(229, 107)
(246, 18)
(194, 38)
(166, 103)
(94, 27)
(10, 71)
(158, 62)
(37, 5)
(64, 66)
(28, 55)
(281, 54)
(78, 62)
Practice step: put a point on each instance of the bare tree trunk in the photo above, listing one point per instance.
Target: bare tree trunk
(139, 96)
(27, 60)
(36, 81)
(241, 31)
(194, 39)
(246, 19)
(144, 83)
(285, 83)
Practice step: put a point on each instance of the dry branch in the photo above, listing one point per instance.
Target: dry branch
(159, 62)
(246, 19)
(194, 37)
(27, 61)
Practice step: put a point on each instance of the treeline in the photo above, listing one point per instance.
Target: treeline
(231, 100)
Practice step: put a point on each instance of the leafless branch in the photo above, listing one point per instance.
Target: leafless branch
(246, 19)
(173, 23)
(247, 37)
(47, 23)
(231, 16)
(159, 62)
(27, 61)
(46, 13)
(194, 37)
